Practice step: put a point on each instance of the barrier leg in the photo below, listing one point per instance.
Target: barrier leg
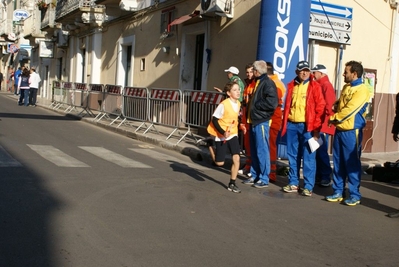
(171, 133)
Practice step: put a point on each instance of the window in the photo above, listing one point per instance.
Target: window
(167, 16)
(142, 64)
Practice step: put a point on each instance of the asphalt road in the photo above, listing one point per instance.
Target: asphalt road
(72, 194)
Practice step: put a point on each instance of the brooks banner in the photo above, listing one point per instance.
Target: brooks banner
(283, 34)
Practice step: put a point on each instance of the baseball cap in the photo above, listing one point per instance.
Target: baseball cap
(233, 70)
(321, 68)
(302, 65)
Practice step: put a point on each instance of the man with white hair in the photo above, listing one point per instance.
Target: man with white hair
(323, 166)
(261, 106)
(34, 81)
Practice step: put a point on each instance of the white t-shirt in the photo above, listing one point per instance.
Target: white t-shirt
(218, 113)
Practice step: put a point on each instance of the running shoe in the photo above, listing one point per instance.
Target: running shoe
(233, 188)
(290, 188)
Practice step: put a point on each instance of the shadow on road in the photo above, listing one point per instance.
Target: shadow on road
(194, 173)
(26, 209)
(38, 117)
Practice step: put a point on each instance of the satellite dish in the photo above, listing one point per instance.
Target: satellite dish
(11, 36)
(205, 4)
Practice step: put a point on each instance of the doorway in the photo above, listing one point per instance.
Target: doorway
(199, 59)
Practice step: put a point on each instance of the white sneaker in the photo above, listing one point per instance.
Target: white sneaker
(245, 172)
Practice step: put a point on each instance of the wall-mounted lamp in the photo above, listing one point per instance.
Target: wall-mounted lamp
(166, 49)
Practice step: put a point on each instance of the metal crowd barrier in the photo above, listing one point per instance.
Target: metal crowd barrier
(135, 105)
(57, 95)
(80, 98)
(95, 98)
(69, 98)
(157, 106)
(197, 110)
(112, 102)
(165, 109)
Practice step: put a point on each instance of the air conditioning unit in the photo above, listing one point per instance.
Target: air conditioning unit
(128, 5)
(223, 8)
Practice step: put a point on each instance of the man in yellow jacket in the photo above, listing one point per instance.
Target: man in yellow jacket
(349, 120)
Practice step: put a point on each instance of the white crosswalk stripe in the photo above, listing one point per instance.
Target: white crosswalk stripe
(168, 158)
(113, 157)
(6, 160)
(56, 156)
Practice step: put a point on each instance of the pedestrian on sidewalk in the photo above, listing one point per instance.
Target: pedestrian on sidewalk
(1, 79)
(395, 136)
(34, 81)
(23, 88)
(16, 75)
(303, 109)
(323, 166)
(349, 120)
(224, 127)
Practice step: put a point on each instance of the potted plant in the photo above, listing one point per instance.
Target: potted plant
(41, 4)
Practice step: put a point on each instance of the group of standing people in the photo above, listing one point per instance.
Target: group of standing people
(307, 112)
(26, 84)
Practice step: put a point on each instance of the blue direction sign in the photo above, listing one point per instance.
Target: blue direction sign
(331, 9)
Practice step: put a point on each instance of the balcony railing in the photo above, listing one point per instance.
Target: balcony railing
(65, 7)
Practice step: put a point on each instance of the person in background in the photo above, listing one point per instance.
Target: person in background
(276, 121)
(23, 88)
(323, 166)
(16, 76)
(10, 80)
(304, 107)
(232, 75)
(349, 120)
(1, 79)
(34, 81)
(395, 136)
(224, 127)
(260, 110)
(250, 85)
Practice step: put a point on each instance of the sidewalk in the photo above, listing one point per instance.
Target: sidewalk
(157, 136)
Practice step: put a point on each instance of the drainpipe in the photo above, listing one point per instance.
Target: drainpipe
(338, 75)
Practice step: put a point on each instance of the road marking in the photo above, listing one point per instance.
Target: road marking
(6, 160)
(113, 157)
(56, 156)
(167, 158)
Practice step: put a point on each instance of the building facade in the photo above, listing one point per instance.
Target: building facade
(187, 44)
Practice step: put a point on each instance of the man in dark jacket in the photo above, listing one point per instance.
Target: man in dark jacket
(304, 107)
(261, 106)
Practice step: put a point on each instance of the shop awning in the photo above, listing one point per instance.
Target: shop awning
(184, 18)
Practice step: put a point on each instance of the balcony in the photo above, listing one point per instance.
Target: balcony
(31, 26)
(80, 12)
(47, 18)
